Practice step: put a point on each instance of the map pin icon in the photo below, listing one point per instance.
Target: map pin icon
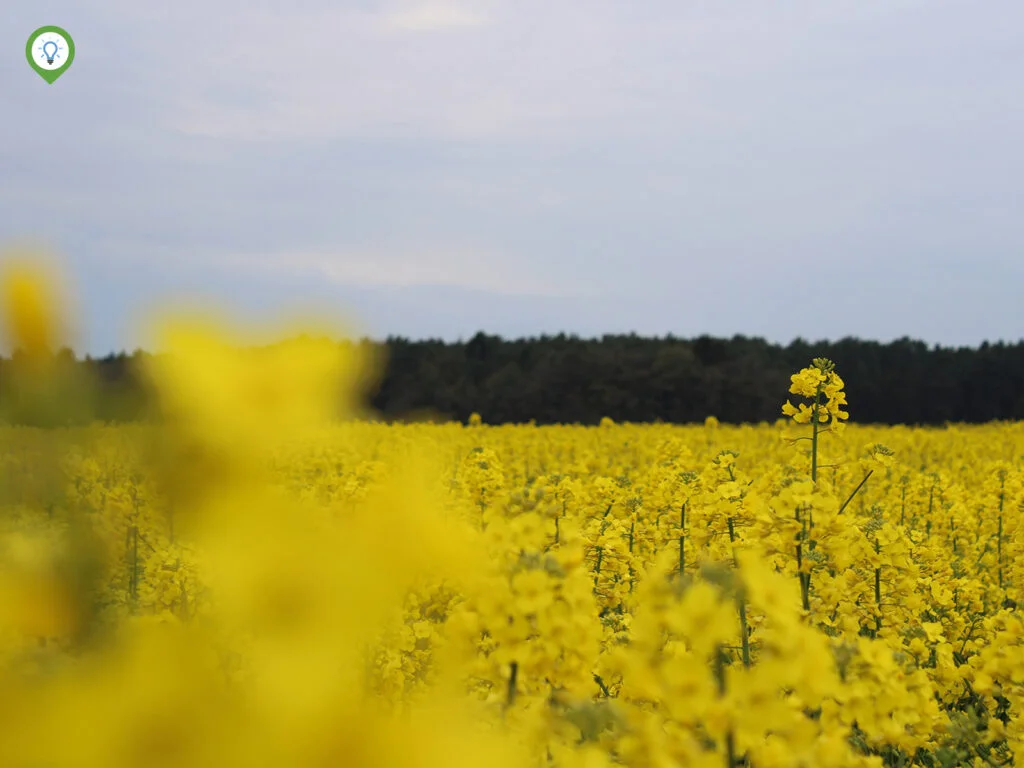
(50, 51)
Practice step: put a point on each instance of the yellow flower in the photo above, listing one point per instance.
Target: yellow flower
(933, 630)
(31, 309)
(821, 384)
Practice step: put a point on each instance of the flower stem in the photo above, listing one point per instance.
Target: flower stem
(730, 739)
(682, 540)
(878, 592)
(859, 486)
(814, 435)
(744, 628)
(513, 675)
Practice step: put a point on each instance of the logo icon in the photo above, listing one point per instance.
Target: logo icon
(50, 51)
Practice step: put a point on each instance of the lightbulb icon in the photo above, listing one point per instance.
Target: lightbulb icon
(50, 51)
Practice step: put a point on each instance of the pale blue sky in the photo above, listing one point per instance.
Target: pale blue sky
(435, 167)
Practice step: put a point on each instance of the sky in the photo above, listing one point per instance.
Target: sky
(432, 168)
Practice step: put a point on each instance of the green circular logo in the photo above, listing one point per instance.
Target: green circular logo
(50, 51)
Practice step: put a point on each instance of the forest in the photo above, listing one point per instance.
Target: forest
(567, 379)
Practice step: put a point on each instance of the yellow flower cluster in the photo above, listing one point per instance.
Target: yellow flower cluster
(263, 579)
(818, 381)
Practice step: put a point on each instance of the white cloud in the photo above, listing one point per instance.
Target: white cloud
(496, 69)
(432, 17)
(402, 266)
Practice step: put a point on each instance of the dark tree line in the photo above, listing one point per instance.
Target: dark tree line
(628, 378)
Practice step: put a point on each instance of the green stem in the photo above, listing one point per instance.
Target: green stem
(814, 435)
(558, 520)
(859, 486)
(802, 578)
(878, 592)
(682, 540)
(744, 628)
(513, 675)
(999, 550)
(632, 528)
(730, 740)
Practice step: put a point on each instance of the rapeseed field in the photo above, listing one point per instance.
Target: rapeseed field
(268, 577)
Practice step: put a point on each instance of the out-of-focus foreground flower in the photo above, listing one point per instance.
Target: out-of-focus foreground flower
(249, 640)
